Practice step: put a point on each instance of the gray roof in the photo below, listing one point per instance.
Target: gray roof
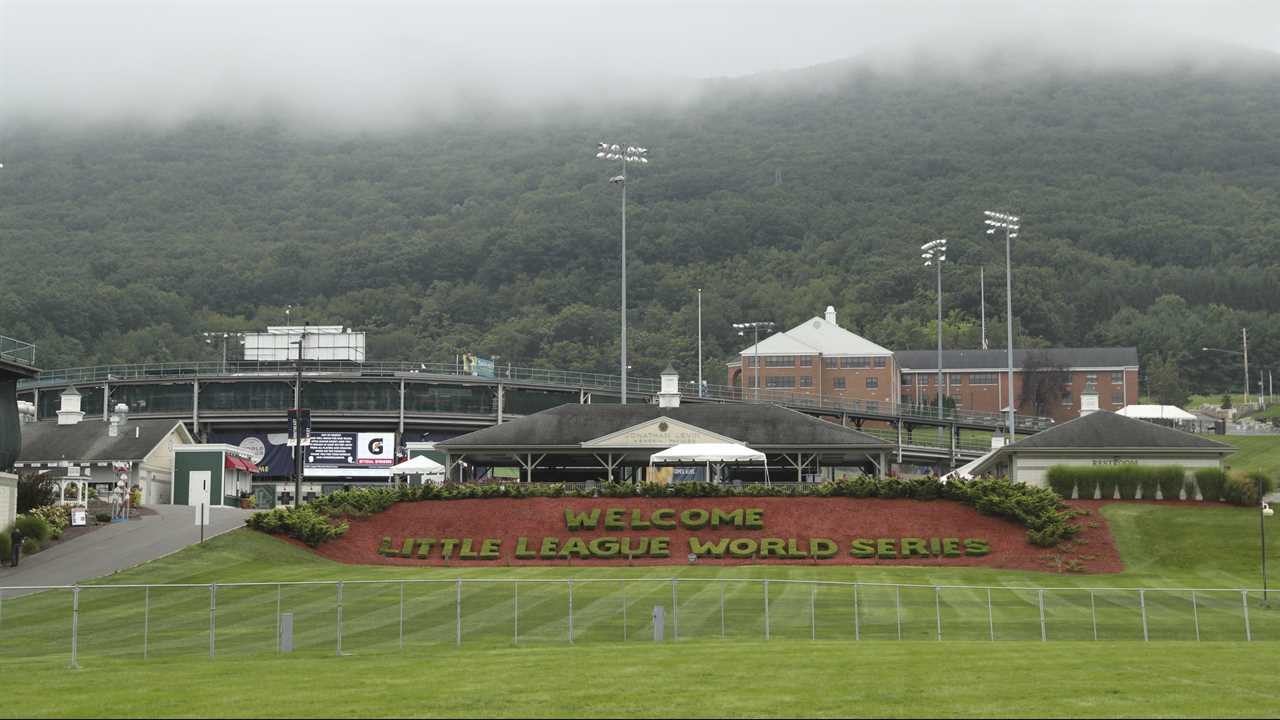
(755, 425)
(1104, 357)
(1104, 430)
(88, 441)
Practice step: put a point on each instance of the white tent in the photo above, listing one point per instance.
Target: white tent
(709, 455)
(420, 465)
(1157, 412)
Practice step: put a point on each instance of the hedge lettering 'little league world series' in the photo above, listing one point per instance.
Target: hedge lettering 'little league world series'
(630, 547)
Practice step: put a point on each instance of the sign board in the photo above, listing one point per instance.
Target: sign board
(73, 471)
(351, 449)
(79, 517)
(293, 426)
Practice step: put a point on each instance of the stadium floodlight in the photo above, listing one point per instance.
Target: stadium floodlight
(1010, 223)
(935, 253)
(627, 154)
(755, 328)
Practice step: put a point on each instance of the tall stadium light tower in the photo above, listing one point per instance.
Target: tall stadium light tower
(1010, 224)
(623, 154)
(935, 253)
(755, 328)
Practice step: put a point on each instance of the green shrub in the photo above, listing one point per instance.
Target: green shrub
(1063, 481)
(34, 527)
(6, 546)
(1210, 481)
(58, 517)
(30, 546)
(1242, 488)
(1107, 483)
(1170, 478)
(102, 517)
(35, 490)
(305, 523)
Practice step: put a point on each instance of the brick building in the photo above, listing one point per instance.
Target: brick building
(978, 379)
(819, 358)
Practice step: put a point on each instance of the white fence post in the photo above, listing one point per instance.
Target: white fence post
(402, 615)
(339, 628)
(570, 581)
(991, 622)
(624, 611)
(675, 610)
(1244, 602)
(722, 609)
(279, 593)
(146, 621)
(457, 613)
(897, 604)
(75, 625)
(213, 624)
(1093, 613)
(937, 608)
(1195, 614)
(515, 612)
(1142, 605)
(766, 609)
(857, 623)
(813, 612)
(1043, 635)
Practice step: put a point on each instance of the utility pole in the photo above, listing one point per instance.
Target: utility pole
(1244, 335)
(1011, 224)
(982, 295)
(624, 155)
(699, 342)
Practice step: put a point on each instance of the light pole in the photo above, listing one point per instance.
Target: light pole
(755, 329)
(299, 454)
(627, 154)
(935, 253)
(1264, 512)
(209, 336)
(699, 342)
(1011, 224)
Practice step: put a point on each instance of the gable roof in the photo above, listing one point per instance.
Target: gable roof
(88, 441)
(1102, 430)
(817, 335)
(754, 425)
(1105, 357)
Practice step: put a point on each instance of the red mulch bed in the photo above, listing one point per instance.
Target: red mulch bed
(839, 519)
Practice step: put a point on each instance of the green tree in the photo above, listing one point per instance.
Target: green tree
(1164, 381)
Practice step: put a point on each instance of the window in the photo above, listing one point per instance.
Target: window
(1066, 396)
(749, 361)
(906, 400)
(908, 380)
(780, 361)
(1117, 378)
(1091, 384)
(806, 381)
(955, 378)
(830, 363)
(983, 379)
(855, 362)
(880, 362)
(839, 383)
(806, 361)
(872, 383)
(1117, 398)
(780, 381)
(873, 406)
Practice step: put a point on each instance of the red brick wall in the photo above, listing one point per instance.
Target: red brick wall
(824, 379)
(986, 398)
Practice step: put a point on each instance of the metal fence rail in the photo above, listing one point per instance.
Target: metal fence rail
(345, 617)
(17, 351)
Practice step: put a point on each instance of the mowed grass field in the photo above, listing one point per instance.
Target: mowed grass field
(1257, 452)
(516, 657)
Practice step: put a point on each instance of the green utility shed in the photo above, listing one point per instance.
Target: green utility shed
(217, 474)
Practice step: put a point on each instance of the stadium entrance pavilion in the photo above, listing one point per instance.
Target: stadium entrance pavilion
(581, 443)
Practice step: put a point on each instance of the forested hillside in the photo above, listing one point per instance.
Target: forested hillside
(1151, 207)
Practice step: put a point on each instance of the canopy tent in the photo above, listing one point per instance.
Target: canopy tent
(420, 465)
(710, 455)
(1157, 412)
(965, 472)
(706, 453)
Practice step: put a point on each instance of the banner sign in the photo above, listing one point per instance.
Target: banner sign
(299, 418)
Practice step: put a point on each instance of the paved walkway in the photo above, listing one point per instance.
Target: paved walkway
(118, 546)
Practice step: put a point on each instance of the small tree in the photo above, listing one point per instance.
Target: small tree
(1164, 381)
(1226, 401)
(1042, 383)
(35, 490)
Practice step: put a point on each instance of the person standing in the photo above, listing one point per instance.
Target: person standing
(16, 537)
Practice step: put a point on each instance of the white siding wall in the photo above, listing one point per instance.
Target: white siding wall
(1032, 469)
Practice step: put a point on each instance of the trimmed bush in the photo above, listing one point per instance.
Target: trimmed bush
(102, 517)
(1242, 488)
(34, 527)
(1063, 481)
(6, 546)
(1170, 478)
(30, 546)
(305, 523)
(1126, 480)
(1210, 481)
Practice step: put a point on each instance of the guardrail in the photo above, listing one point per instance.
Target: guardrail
(373, 616)
(543, 376)
(17, 351)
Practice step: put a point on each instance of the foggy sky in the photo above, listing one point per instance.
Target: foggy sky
(384, 64)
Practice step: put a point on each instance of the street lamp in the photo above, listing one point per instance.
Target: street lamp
(1010, 224)
(1244, 340)
(755, 329)
(209, 336)
(623, 154)
(935, 253)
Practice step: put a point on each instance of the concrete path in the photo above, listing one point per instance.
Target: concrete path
(117, 547)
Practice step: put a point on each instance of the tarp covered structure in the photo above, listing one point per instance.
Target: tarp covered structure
(1157, 412)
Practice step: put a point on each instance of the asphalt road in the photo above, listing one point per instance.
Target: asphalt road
(117, 547)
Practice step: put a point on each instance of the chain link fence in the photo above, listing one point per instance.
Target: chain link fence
(347, 617)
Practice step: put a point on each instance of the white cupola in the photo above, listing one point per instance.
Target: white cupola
(69, 412)
(831, 315)
(669, 394)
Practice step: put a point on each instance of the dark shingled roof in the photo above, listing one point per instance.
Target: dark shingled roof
(88, 441)
(999, 359)
(755, 425)
(1106, 430)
